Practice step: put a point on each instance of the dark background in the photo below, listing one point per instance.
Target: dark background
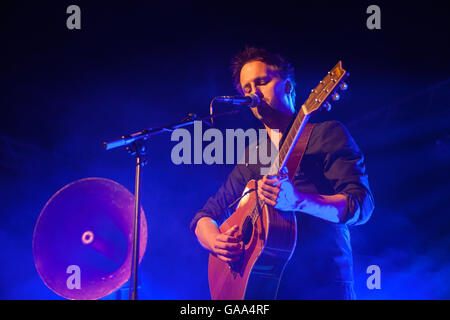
(143, 64)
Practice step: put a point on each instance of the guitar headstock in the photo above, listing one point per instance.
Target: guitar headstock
(327, 89)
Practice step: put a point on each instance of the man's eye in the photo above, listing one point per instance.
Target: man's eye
(262, 82)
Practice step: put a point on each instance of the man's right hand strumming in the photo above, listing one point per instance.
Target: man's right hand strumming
(226, 246)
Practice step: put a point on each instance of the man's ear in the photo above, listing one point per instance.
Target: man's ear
(289, 90)
(288, 87)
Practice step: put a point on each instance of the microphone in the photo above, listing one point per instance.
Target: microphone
(251, 100)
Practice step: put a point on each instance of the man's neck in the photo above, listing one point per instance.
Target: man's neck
(276, 129)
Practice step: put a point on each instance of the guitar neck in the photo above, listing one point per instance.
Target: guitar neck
(317, 99)
(291, 139)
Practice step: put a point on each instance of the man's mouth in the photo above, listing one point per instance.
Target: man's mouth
(264, 108)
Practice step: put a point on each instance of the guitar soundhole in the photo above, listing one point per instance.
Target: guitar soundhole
(247, 230)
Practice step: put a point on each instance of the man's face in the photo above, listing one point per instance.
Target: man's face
(263, 80)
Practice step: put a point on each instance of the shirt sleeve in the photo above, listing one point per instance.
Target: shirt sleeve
(344, 167)
(217, 205)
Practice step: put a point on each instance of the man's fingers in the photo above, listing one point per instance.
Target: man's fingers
(271, 189)
(266, 180)
(280, 180)
(232, 230)
(227, 259)
(227, 245)
(227, 238)
(269, 195)
(228, 253)
(274, 179)
(268, 201)
(269, 192)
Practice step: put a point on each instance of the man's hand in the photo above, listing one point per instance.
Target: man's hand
(228, 246)
(279, 192)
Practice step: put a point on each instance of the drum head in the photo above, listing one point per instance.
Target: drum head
(82, 241)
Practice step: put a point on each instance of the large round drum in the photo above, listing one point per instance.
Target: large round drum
(82, 241)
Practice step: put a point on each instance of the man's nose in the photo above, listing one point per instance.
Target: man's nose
(257, 92)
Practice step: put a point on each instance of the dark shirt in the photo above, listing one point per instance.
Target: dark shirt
(332, 164)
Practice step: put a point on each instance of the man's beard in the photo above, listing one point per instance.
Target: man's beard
(266, 111)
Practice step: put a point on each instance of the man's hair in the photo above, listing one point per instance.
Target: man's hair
(284, 68)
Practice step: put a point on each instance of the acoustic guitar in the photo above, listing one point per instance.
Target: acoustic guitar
(269, 235)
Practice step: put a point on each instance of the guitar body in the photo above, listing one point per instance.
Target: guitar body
(270, 243)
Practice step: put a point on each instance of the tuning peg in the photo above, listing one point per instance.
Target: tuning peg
(343, 86)
(327, 106)
(335, 96)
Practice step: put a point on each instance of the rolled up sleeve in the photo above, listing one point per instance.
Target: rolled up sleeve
(344, 168)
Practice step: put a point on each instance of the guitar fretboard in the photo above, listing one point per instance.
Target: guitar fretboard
(289, 142)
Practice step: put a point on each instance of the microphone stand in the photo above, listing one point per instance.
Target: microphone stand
(135, 145)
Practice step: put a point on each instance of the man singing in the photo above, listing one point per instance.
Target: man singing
(329, 193)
